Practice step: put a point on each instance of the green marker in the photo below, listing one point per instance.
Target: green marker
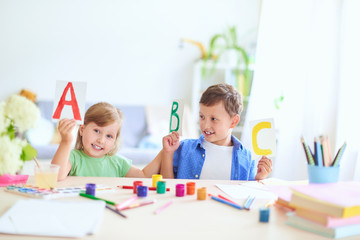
(95, 198)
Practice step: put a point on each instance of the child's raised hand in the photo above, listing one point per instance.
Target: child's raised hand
(264, 168)
(65, 128)
(171, 142)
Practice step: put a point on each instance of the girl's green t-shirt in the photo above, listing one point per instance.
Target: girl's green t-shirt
(107, 166)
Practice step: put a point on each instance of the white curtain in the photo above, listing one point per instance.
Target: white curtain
(348, 115)
(301, 54)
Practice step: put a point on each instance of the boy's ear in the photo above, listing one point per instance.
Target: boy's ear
(235, 121)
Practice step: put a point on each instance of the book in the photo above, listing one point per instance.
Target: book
(335, 232)
(326, 220)
(283, 193)
(341, 199)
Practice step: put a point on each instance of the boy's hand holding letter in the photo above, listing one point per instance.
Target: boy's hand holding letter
(171, 142)
(264, 168)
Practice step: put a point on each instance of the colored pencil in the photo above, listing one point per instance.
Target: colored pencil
(160, 209)
(226, 202)
(318, 154)
(339, 155)
(307, 152)
(96, 198)
(126, 203)
(325, 150)
(150, 188)
(135, 205)
(249, 201)
(222, 197)
(115, 211)
(327, 143)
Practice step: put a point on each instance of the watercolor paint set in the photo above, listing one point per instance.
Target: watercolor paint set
(35, 192)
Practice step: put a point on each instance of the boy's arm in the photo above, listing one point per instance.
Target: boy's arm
(62, 154)
(264, 168)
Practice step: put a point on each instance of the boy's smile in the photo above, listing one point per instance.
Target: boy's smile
(216, 124)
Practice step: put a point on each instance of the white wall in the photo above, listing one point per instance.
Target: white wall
(127, 51)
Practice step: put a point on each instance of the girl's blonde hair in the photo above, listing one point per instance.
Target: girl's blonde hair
(102, 114)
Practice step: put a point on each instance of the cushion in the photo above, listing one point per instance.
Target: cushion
(42, 133)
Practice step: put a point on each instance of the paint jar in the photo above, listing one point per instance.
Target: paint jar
(319, 174)
(264, 214)
(161, 187)
(190, 188)
(90, 189)
(155, 179)
(136, 184)
(201, 193)
(180, 190)
(142, 191)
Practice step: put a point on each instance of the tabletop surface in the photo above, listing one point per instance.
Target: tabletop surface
(186, 218)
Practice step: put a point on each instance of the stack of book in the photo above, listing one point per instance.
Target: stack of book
(331, 209)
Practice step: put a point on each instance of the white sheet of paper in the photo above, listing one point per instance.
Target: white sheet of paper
(263, 138)
(243, 191)
(77, 91)
(53, 218)
(176, 117)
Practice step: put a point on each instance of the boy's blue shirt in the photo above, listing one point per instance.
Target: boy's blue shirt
(190, 156)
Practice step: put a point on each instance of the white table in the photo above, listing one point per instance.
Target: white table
(186, 218)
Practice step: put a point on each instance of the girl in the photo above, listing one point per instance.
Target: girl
(96, 145)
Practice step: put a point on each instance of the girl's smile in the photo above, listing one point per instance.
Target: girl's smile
(98, 140)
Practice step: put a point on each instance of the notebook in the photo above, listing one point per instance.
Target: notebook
(53, 218)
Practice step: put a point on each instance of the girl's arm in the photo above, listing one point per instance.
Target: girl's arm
(170, 143)
(162, 163)
(167, 168)
(152, 168)
(62, 154)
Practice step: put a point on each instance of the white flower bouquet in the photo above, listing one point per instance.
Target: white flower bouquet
(17, 114)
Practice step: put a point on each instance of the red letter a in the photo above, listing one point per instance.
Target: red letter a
(72, 102)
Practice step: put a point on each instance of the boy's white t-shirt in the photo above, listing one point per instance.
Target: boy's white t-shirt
(218, 161)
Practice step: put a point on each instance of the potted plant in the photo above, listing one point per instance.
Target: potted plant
(225, 46)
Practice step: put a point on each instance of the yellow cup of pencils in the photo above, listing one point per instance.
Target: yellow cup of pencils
(319, 174)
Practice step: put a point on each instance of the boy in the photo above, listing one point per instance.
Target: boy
(217, 154)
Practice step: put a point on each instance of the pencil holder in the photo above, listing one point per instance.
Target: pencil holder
(323, 174)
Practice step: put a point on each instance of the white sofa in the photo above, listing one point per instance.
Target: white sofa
(137, 143)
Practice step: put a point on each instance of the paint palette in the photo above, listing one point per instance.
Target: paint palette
(35, 192)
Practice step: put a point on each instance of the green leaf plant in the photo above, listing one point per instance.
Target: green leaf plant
(221, 43)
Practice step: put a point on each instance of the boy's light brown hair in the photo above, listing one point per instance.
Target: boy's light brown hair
(102, 114)
(223, 93)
